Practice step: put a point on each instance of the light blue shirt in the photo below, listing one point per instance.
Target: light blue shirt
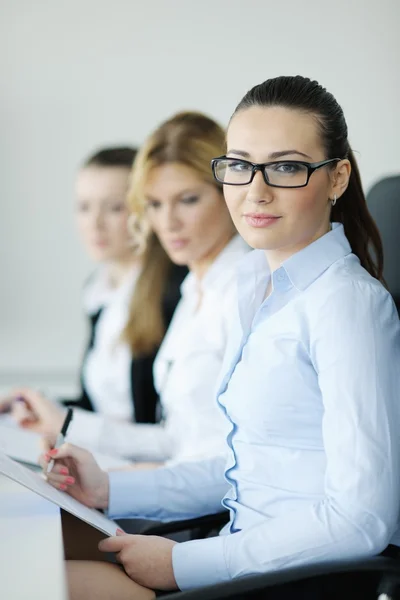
(311, 389)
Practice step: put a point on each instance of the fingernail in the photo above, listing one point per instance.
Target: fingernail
(64, 471)
(63, 487)
(70, 480)
(120, 531)
(53, 452)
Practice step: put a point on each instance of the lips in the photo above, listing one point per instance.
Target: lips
(177, 244)
(260, 219)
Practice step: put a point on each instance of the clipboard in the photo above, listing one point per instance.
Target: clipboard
(37, 484)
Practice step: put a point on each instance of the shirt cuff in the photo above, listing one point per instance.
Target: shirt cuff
(85, 428)
(199, 563)
(133, 494)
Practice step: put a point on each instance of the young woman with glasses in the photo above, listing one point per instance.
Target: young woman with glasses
(310, 379)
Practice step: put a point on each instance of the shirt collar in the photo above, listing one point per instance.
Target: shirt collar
(224, 262)
(302, 268)
(308, 264)
(98, 293)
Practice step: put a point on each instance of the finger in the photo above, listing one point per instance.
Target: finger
(31, 424)
(20, 412)
(47, 442)
(69, 451)
(43, 461)
(61, 482)
(120, 532)
(112, 544)
(58, 469)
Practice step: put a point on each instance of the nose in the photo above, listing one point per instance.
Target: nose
(170, 221)
(259, 192)
(98, 219)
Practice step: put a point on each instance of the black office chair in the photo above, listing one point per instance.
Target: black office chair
(334, 581)
(382, 572)
(383, 201)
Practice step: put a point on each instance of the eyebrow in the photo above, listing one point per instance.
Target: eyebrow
(186, 191)
(272, 156)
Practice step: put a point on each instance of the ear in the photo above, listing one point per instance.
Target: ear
(340, 177)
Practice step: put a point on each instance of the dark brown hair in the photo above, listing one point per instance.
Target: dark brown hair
(301, 93)
(118, 156)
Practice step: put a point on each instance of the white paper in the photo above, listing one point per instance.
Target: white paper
(19, 444)
(36, 483)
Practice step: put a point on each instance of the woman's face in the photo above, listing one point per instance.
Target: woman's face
(188, 215)
(102, 213)
(298, 216)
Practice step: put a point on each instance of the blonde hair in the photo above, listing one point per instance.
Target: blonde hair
(188, 138)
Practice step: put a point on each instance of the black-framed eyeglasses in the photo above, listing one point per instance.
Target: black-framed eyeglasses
(281, 173)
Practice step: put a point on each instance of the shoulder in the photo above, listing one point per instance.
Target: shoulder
(346, 295)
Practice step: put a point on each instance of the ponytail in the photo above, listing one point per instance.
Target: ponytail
(351, 210)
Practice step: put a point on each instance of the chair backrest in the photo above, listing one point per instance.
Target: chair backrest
(384, 204)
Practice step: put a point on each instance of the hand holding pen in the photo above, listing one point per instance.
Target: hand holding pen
(74, 470)
(61, 437)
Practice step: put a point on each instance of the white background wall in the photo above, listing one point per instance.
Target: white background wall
(84, 73)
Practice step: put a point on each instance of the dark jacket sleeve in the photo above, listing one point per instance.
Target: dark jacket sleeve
(145, 397)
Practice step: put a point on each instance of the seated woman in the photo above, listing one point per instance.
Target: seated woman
(116, 375)
(310, 382)
(174, 192)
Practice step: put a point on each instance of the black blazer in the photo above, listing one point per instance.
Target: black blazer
(144, 396)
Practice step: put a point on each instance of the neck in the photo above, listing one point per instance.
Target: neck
(200, 267)
(277, 257)
(118, 271)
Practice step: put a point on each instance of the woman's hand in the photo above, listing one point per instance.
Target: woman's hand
(34, 411)
(147, 559)
(76, 472)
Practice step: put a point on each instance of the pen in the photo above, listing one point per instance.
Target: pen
(61, 436)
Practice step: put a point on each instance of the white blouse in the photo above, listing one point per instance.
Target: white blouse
(107, 368)
(186, 372)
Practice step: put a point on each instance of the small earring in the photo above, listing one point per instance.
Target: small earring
(333, 201)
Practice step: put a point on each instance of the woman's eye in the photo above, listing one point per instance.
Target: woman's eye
(117, 208)
(190, 199)
(287, 168)
(238, 167)
(153, 204)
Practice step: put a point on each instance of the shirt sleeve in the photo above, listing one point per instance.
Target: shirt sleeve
(180, 492)
(133, 441)
(355, 348)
